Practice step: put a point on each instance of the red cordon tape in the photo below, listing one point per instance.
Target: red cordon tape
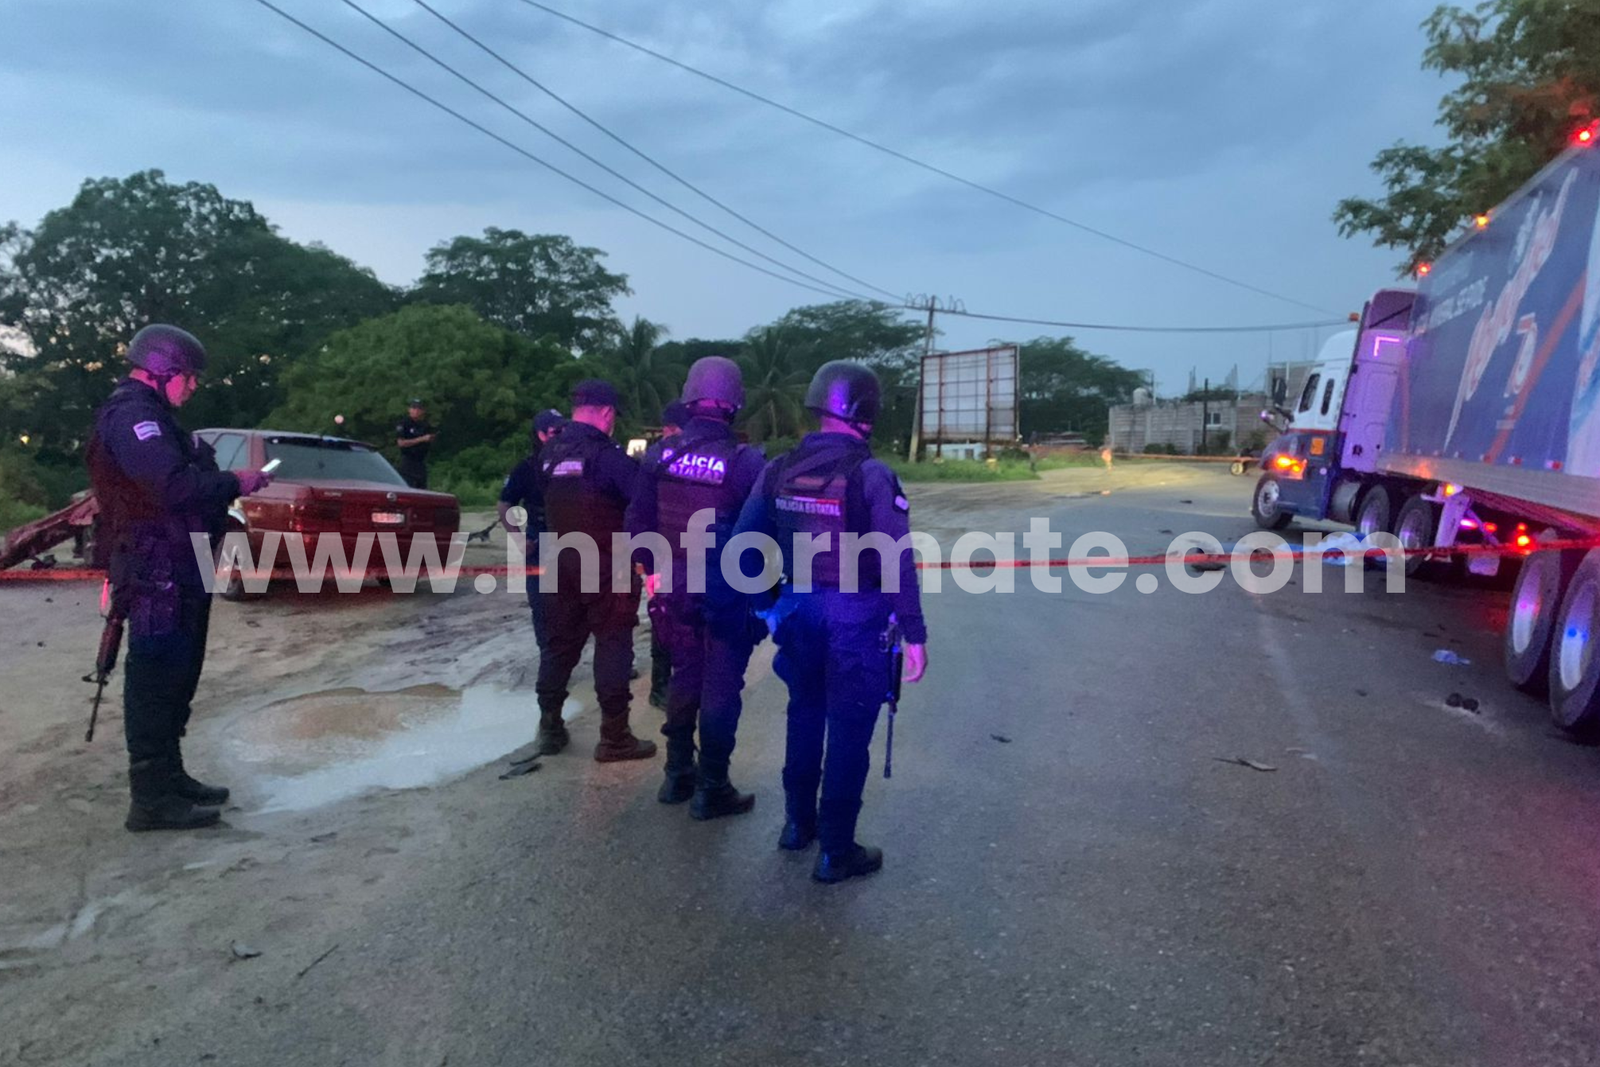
(1196, 557)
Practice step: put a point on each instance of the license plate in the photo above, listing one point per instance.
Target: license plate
(389, 518)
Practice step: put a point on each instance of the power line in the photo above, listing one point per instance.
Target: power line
(519, 72)
(931, 168)
(1269, 328)
(452, 112)
(403, 39)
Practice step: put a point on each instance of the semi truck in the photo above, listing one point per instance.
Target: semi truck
(1467, 411)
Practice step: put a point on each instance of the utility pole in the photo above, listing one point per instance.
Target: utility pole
(930, 304)
(1205, 413)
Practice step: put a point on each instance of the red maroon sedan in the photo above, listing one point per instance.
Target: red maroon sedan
(327, 486)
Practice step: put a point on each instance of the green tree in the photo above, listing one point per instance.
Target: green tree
(135, 250)
(1530, 74)
(1065, 388)
(777, 368)
(482, 383)
(647, 374)
(870, 333)
(537, 285)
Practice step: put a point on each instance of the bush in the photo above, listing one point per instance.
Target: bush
(961, 470)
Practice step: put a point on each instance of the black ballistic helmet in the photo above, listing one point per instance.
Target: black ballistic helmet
(714, 379)
(845, 390)
(166, 351)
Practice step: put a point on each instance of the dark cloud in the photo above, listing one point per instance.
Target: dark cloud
(1222, 131)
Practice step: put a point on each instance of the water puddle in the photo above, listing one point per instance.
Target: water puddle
(328, 746)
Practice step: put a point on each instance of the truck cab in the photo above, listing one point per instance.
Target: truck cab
(1316, 467)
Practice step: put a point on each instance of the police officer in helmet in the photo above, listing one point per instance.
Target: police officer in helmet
(674, 417)
(156, 488)
(830, 629)
(701, 472)
(586, 482)
(521, 489)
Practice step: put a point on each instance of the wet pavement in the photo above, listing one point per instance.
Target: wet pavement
(1130, 828)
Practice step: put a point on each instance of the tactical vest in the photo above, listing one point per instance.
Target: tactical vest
(573, 499)
(691, 474)
(136, 535)
(819, 493)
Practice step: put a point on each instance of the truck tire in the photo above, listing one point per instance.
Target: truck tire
(1574, 665)
(1265, 505)
(1531, 618)
(1417, 526)
(1375, 513)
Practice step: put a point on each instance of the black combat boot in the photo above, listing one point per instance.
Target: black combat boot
(841, 857)
(156, 805)
(852, 862)
(617, 742)
(714, 795)
(800, 805)
(678, 784)
(797, 835)
(197, 791)
(552, 736)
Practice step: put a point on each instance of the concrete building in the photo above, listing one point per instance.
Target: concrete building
(1183, 424)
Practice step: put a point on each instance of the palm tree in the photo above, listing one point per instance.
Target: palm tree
(775, 380)
(647, 379)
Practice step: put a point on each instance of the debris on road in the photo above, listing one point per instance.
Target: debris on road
(1242, 762)
(1456, 700)
(322, 838)
(242, 951)
(1445, 655)
(1002, 738)
(520, 767)
(307, 968)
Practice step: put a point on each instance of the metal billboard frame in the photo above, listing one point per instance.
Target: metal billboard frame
(980, 402)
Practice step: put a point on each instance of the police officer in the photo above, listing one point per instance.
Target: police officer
(586, 481)
(521, 489)
(673, 419)
(832, 652)
(415, 436)
(702, 468)
(155, 489)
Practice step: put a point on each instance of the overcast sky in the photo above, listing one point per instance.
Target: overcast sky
(1220, 132)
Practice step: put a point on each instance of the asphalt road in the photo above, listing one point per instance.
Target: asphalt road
(1411, 884)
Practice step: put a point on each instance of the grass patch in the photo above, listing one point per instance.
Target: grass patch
(963, 470)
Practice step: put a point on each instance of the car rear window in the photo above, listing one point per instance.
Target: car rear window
(311, 459)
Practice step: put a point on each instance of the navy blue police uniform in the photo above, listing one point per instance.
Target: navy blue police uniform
(522, 490)
(831, 649)
(586, 481)
(703, 468)
(413, 465)
(156, 490)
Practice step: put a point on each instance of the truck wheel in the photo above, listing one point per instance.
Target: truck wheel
(1266, 506)
(1416, 527)
(232, 587)
(1375, 512)
(1574, 667)
(1531, 618)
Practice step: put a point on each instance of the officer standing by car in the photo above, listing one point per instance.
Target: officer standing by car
(415, 436)
(833, 651)
(521, 489)
(155, 489)
(586, 481)
(704, 467)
